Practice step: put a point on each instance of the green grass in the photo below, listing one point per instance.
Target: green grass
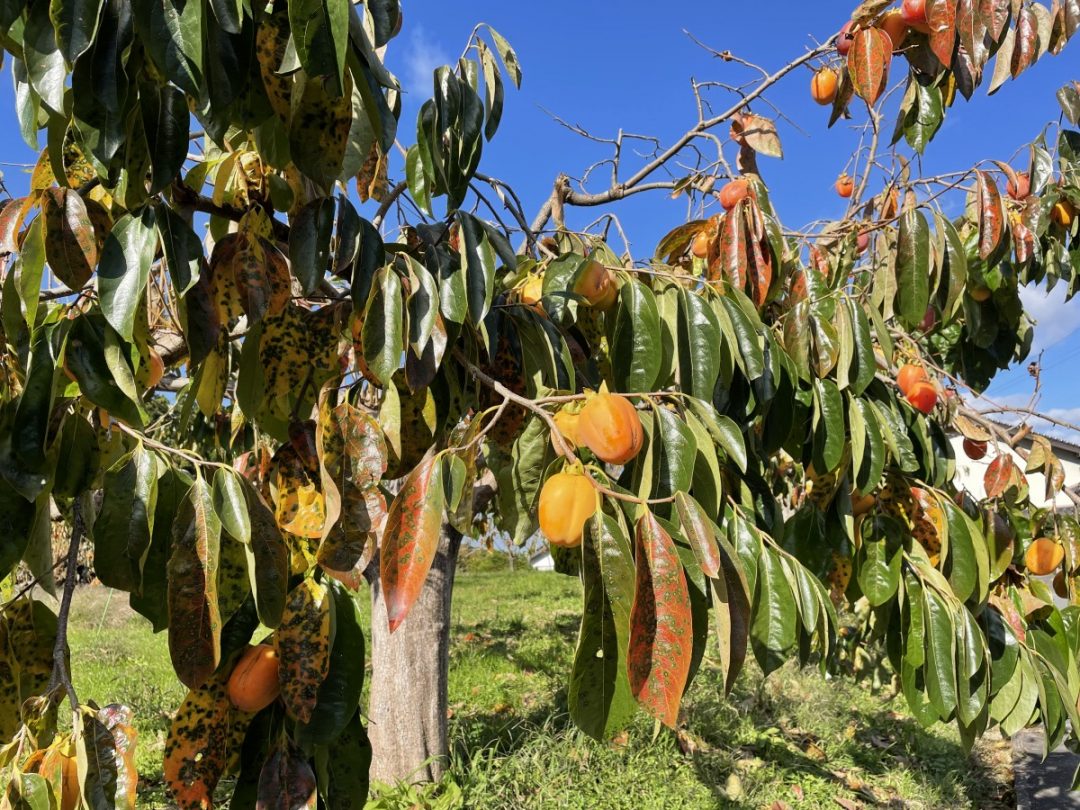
(793, 734)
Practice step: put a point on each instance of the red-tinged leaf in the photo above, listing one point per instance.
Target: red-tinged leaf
(1001, 475)
(118, 720)
(972, 30)
(206, 734)
(286, 782)
(941, 17)
(411, 538)
(661, 635)
(995, 16)
(302, 642)
(1007, 608)
(759, 133)
(991, 214)
(1023, 239)
(194, 620)
(868, 63)
(70, 246)
(1027, 32)
(761, 272)
(734, 258)
(12, 216)
(695, 525)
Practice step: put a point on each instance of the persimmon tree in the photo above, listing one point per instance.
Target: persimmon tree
(710, 434)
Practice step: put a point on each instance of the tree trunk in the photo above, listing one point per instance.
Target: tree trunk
(409, 697)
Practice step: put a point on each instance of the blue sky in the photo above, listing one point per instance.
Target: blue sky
(605, 65)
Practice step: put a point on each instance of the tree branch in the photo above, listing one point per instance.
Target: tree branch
(61, 674)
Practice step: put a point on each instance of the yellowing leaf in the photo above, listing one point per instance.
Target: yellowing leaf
(302, 642)
(205, 735)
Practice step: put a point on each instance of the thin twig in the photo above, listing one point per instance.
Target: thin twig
(61, 674)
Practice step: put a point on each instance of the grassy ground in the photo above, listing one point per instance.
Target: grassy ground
(794, 740)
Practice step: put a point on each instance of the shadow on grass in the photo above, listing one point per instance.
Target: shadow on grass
(865, 750)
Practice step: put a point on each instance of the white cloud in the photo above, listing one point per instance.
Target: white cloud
(422, 55)
(1055, 319)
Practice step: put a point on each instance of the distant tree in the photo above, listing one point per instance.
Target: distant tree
(713, 430)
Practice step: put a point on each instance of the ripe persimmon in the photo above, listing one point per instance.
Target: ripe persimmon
(980, 292)
(1063, 213)
(913, 12)
(845, 38)
(823, 86)
(845, 185)
(567, 500)
(893, 24)
(700, 246)
(567, 423)
(1021, 188)
(253, 684)
(908, 376)
(862, 242)
(1043, 556)
(531, 291)
(610, 427)
(923, 396)
(861, 504)
(734, 191)
(975, 449)
(596, 284)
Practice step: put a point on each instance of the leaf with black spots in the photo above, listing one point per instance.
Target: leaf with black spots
(194, 620)
(205, 736)
(661, 636)
(302, 641)
(27, 635)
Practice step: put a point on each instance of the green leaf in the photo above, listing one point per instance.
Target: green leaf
(30, 429)
(731, 603)
(599, 692)
(508, 56)
(85, 357)
(699, 338)
(309, 242)
(698, 530)
(345, 765)
(724, 431)
(230, 505)
(320, 33)
(44, 61)
(478, 259)
(940, 654)
(182, 247)
(76, 24)
(125, 522)
(76, 457)
(194, 620)
(125, 267)
(228, 14)
(913, 267)
(339, 693)
(166, 119)
(772, 627)
(879, 559)
(828, 425)
(268, 560)
(673, 455)
(864, 362)
(383, 325)
(634, 338)
(661, 634)
(753, 358)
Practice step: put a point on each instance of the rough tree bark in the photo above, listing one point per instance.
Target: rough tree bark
(409, 698)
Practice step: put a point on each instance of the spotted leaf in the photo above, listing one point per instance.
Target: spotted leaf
(991, 214)
(194, 620)
(27, 633)
(286, 781)
(300, 507)
(661, 636)
(70, 247)
(868, 63)
(206, 734)
(302, 642)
